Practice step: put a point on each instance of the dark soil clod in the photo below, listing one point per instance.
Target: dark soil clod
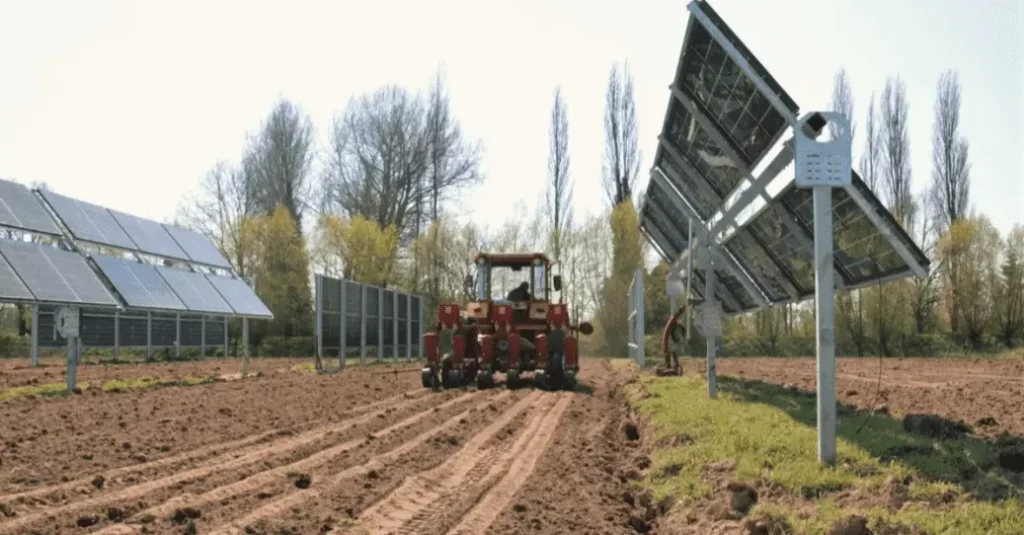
(87, 521)
(632, 433)
(303, 481)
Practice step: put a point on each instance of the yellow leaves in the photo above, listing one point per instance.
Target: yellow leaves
(366, 249)
(276, 255)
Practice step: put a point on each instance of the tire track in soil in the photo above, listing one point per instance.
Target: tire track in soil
(407, 510)
(505, 482)
(280, 507)
(35, 495)
(222, 463)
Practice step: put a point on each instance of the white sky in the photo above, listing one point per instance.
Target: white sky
(128, 103)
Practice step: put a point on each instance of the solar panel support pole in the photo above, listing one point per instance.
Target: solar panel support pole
(245, 347)
(824, 291)
(35, 335)
(712, 341)
(343, 324)
(689, 281)
(362, 324)
(318, 292)
(177, 336)
(394, 324)
(380, 324)
(149, 336)
(408, 328)
(117, 335)
(419, 324)
(202, 336)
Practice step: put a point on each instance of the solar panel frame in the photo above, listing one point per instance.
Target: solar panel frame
(139, 285)
(197, 247)
(240, 297)
(195, 291)
(686, 135)
(20, 209)
(89, 222)
(56, 276)
(148, 236)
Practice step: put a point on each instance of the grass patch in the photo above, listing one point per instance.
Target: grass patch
(768, 435)
(44, 390)
(113, 385)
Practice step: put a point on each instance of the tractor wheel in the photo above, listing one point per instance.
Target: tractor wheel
(512, 380)
(484, 380)
(540, 379)
(452, 379)
(569, 381)
(429, 379)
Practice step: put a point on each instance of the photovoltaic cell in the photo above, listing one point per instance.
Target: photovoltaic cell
(89, 222)
(21, 209)
(199, 248)
(11, 287)
(139, 284)
(240, 296)
(713, 164)
(149, 236)
(56, 276)
(195, 291)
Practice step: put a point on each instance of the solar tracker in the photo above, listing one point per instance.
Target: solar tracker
(240, 296)
(195, 291)
(57, 276)
(719, 124)
(149, 236)
(139, 284)
(89, 222)
(199, 248)
(11, 287)
(21, 209)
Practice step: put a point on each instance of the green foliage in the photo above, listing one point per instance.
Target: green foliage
(627, 257)
(767, 434)
(281, 267)
(366, 249)
(280, 346)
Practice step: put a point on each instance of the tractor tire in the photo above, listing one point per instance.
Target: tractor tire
(428, 378)
(512, 380)
(452, 379)
(540, 379)
(484, 380)
(569, 381)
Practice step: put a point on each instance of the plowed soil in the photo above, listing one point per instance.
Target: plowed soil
(361, 451)
(970, 390)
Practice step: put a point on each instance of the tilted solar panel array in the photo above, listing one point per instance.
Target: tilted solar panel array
(718, 127)
(42, 273)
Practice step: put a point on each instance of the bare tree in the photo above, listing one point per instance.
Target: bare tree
(870, 158)
(951, 171)
(842, 102)
(559, 194)
(226, 198)
(622, 147)
(279, 160)
(454, 160)
(895, 149)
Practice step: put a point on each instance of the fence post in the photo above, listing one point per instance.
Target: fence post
(362, 324)
(380, 324)
(343, 324)
(318, 306)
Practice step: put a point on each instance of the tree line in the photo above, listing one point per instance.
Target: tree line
(377, 203)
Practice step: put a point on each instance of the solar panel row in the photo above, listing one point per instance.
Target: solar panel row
(20, 209)
(50, 275)
(718, 126)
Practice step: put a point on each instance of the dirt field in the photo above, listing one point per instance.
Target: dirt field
(363, 451)
(958, 389)
(18, 372)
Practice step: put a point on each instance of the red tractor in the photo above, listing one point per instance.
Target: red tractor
(512, 327)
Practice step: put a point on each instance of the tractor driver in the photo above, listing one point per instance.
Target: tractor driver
(520, 293)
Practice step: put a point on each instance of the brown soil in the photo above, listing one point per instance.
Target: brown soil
(984, 393)
(19, 372)
(362, 451)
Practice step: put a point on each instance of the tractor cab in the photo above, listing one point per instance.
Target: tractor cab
(520, 281)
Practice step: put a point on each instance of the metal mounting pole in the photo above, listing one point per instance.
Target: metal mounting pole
(362, 324)
(318, 293)
(35, 335)
(342, 325)
(712, 341)
(824, 292)
(689, 283)
(117, 335)
(245, 347)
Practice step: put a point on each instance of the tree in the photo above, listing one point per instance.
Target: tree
(973, 244)
(277, 257)
(627, 257)
(622, 146)
(366, 249)
(951, 171)
(842, 102)
(896, 150)
(870, 158)
(1010, 294)
(279, 159)
(226, 199)
(559, 193)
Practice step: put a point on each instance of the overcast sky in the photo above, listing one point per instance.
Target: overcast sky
(127, 103)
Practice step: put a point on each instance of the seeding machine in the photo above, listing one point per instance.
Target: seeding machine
(521, 333)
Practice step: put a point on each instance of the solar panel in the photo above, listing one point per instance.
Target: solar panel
(21, 209)
(139, 284)
(56, 276)
(11, 287)
(198, 247)
(240, 296)
(89, 222)
(149, 236)
(195, 291)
